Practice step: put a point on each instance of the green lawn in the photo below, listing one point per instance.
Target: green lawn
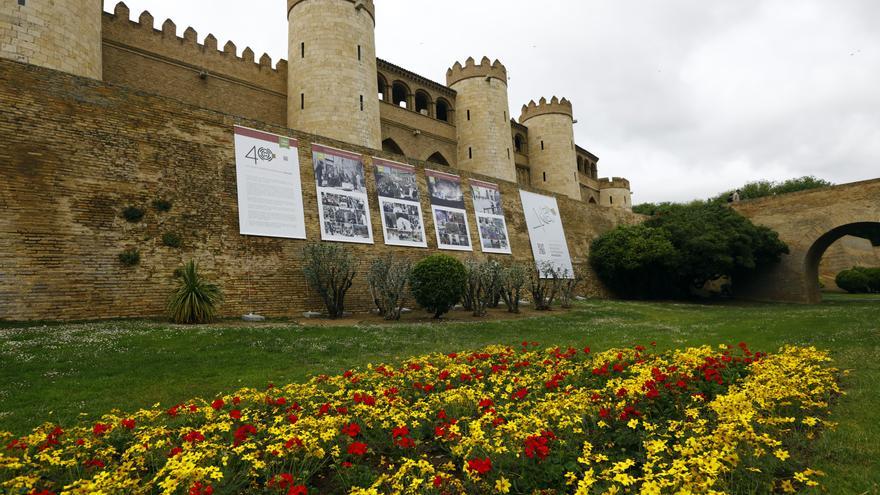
(57, 372)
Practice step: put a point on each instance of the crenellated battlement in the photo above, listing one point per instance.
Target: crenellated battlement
(367, 5)
(486, 68)
(543, 107)
(142, 35)
(613, 183)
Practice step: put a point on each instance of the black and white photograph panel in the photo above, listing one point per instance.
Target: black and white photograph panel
(487, 200)
(396, 182)
(452, 228)
(335, 171)
(403, 223)
(493, 234)
(445, 190)
(344, 217)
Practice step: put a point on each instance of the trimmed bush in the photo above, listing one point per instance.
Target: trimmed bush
(329, 269)
(859, 280)
(388, 278)
(194, 300)
(544, 284)
(437, 283)
(568, 285)
(130, 257)
(172, 240)
(133, 214)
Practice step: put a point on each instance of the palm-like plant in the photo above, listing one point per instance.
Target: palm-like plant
(195, 300)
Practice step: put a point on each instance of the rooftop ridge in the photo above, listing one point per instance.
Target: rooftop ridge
(120, 18)
(486, 68)
(544, 107)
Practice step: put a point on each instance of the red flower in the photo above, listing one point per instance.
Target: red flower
(400, 431)
(437, 481)
(293, 441)
(128, 424)
(236, 400)
(96, 463)
(100, 429)
(293, 418)
(174, 452)
(298, 490)
(486, 403)
(351, 429)
(243, 432)
(406, 443)
(283, 480)
(357, 448)
(218, 404)
(173, 411)
(194, 437)
(41, 492)
(537, 446)
(235, 414)
(586, 350)
(200, 489)
(480, 466)
(604, 413)
(346, 464)
(520, 394)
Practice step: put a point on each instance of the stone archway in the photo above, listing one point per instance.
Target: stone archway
(809, 222)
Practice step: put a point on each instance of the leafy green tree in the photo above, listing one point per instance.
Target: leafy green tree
(762, 188)
(635, 261)
(682, 247)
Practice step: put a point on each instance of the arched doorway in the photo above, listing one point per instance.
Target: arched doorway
(864, 230)
(438, 159)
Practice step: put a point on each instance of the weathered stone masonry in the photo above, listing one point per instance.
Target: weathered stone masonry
(74, 152)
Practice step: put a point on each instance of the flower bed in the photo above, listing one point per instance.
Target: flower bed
(500, 420)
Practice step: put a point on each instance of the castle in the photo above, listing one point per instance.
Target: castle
(333, 85)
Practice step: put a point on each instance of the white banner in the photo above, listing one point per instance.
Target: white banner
(399, 204)
(490, 217)
(546, 233)
(447, 206)
(343, 206)
(270, 199)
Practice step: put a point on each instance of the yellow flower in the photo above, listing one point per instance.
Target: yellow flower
(502, 485)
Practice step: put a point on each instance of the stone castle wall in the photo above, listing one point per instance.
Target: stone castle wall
(552, 155)
(60, 35)
(75, 152)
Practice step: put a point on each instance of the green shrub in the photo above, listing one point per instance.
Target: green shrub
(859, 280)
(388, 278)
(854, 281)
(329, 269)
(162, 205)
(437, 283)
(634, 261)
(172, 240)
(194, 300)
(130, 257)
(133, 214)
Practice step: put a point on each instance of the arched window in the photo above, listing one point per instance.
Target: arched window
(443, 109)
(519, 143)
(383, 88)
(594, 170)
(438, 159)
(592, 200)
(423, 103)
(390, 146)
(400, 95)
(580, 164)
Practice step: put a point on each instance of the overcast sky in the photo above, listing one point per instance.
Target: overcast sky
(686, 98)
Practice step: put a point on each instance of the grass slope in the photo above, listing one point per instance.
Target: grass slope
(59, 372)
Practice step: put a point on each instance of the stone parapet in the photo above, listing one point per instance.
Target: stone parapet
(367, 5)
(485, 68)
(543, 107)
(613, 183)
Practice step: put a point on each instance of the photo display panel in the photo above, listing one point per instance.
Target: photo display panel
(490, 217)
(343, 206)
(399, 204)
(270, 201)
(447, 208)
(546, 233)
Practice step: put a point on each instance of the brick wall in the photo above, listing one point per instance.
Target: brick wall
(74, 152)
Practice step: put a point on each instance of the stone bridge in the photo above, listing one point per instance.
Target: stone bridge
(809, 222)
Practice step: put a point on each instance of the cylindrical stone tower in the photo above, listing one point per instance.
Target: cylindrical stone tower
(482, 118)
(332, 84)
(615, 193)
(552, 155)
(59, 34)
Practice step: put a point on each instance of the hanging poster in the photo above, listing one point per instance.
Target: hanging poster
(342, 195)
(490, 217)
(270, 201)
(447, 207)
(545, 231)
(399, 204)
